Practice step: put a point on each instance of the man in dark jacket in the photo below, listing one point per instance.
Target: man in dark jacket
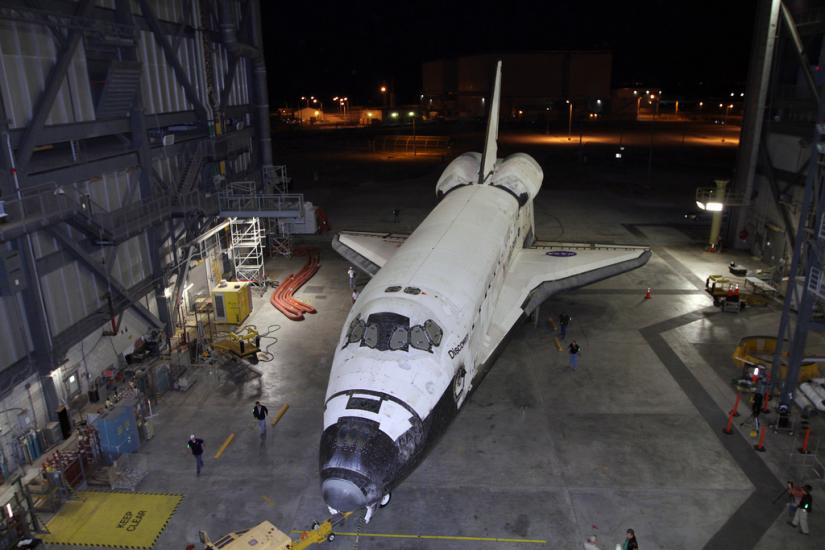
(564, 320)
(260, 413)
(195, 445)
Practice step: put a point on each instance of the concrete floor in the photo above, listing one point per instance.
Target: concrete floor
(631, 439)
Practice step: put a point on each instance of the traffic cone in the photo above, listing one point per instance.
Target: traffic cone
(647, 294)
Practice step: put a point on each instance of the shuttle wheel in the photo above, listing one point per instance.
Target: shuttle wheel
(331, 537)
(385, 500)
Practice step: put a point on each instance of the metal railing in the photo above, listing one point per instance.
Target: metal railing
(288, 205)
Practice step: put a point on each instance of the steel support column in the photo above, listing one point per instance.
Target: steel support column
(140, 143)
(808, 258)
(756, 93)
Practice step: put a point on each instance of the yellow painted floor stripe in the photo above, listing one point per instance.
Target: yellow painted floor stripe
(268, 501)
(281, 412)
(225, 444)
(557, 343)
(432, 537)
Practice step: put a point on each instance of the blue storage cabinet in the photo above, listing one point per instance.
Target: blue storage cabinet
(118, 430)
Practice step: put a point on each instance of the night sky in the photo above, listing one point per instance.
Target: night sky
(348, 48)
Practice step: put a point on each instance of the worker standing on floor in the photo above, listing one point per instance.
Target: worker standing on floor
(574, 351)
(800, 518)
(260, 412)
(564, 320)
(195, 445)
(351, 276)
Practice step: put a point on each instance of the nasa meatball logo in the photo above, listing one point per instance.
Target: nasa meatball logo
(561, 253)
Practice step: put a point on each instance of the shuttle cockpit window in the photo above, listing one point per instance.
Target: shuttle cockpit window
(392, 331)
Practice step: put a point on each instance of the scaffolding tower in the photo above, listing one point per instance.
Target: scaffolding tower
(247, 249)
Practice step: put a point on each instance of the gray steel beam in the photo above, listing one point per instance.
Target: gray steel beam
(54, 81)
(800, 50)
(233, 65)
(58, 133)
(774, 185)
(102, 15)
(95, 167)
(756, 93)
(171, 57)
(103, 276)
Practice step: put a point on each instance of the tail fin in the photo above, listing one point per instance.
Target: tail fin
(488, 157)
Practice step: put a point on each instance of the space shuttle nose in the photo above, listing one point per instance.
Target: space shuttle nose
(342, 494)
(358, 463)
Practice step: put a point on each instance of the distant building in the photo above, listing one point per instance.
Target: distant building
(533, 83)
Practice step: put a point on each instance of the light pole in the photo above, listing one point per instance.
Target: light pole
(411, 114)
(569, 119)
(727, 111)
(383, 89)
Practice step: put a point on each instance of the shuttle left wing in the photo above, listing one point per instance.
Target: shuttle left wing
(367, 250)
(547, 268)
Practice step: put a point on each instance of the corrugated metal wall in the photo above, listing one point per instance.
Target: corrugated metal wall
(27, 52)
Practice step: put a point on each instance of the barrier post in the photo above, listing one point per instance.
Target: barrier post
(735, 410)
(729, 428)
(804, 449)
(760, 446)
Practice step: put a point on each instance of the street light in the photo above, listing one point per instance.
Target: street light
(569, 119)
(383, 90)
(411, 114)
(727, 111)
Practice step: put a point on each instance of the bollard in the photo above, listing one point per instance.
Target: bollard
(729, 428)
(760, 446)
(647, 294)
(735, 410)
(804, 449)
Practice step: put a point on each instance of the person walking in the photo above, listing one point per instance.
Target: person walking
(351, 276)
(195, 445)
(591, 543)
(756, 410)
(260, 412)
(795, 494)
(354, 296)
(574, 351)
(564, 320)
(800, 517)
(396, 213)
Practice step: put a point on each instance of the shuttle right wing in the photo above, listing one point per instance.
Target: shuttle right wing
(546, 268)
(368, 251)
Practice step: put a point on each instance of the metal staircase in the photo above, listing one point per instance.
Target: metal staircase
(190, 175)
(119, 90)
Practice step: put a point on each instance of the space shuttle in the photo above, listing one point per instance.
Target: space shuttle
(427, 327)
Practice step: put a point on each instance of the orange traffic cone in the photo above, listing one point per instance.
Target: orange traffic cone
(647, 294)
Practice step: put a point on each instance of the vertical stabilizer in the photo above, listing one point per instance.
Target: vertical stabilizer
(488, 157)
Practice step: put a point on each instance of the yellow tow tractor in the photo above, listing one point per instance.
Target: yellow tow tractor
(266, 536)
